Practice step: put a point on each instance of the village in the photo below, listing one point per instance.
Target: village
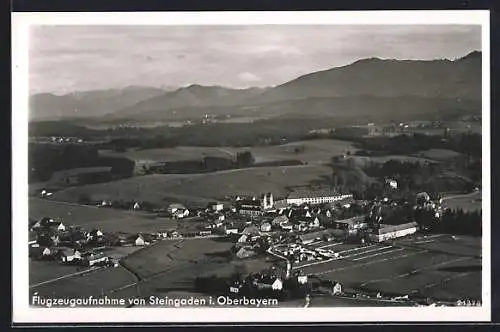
(300, 231)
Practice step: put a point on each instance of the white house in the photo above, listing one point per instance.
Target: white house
(273, 283)
(392, 183)
(231, 231)
(302, 279)
(243, 238)
(265, 227)
(136, 206)
(61, 227)
(46, 252)
(94, 259)
(140, 241)
(388, 232)
(280, 220)
(216, 206)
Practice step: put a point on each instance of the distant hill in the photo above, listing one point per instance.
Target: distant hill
(193, 96)
(369, 87)
(445, 79)
(95, 103)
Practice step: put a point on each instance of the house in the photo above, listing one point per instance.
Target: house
(302, 279)
(249, 230)
(215, 206)
(61, 227)
(243, 238)
(265, 227)
(244, 253)
(55, 240)
(68, 255)
(387, 232)
(94, 259)
(330, 287)
(95, 234)
(313, 236)
(392, 183)
(47, 252)
(254, 206)
(315, 197)
(139, 241)
(268, 282)
(279, 220)
(288, 226)
(136, 206)
(231, 230)
(172, 208)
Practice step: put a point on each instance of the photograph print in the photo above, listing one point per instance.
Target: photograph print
(260, 166)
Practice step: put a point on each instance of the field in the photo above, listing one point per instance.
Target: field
(439, 154)
(199, 189)
(41, 271)
(94, 283)
(89, 217)
(319, 151)
(435, 266)
(469, 202)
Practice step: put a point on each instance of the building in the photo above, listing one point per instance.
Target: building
(244, 253)
(313, 236)
(61, 227)
(254, 206)
(315, 197)
(68, 255)
(279, 220)
(231, 230)
(243, 238)
(387, 232)
(269, 283)
(392, 183)
(330, 287)
(139, 241)
(250, 230)
(215, 206)
(94, 259)
(265, 227)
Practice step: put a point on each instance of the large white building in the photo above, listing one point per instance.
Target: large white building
(315, 197)
(387, 232)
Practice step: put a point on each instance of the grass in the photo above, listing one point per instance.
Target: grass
(320, 150)
(173, 255)
(439, 154)
(431, 268)
(199, 189)
(108, 220)
(40, 271)
(93, 283)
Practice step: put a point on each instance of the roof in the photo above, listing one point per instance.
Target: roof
(176, 206)
(249, 203)
(352, 221)
(384, 229)
(313, 235)
(314, 193)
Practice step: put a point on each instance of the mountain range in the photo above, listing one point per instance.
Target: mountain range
(367, 87)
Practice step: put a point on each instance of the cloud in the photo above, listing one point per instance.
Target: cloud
(101, 57)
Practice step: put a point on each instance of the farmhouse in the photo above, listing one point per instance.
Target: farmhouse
(244, 253)
(68, 255)
(387, 232)
(315, 197)
(94, 259)
(215, 206)
(269, 283)
(313, 236)
(265, 227)
(279, 220)
(329, 287)
(61, 227)
(139, 241)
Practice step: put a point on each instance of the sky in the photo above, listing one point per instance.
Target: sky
(64, 59)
